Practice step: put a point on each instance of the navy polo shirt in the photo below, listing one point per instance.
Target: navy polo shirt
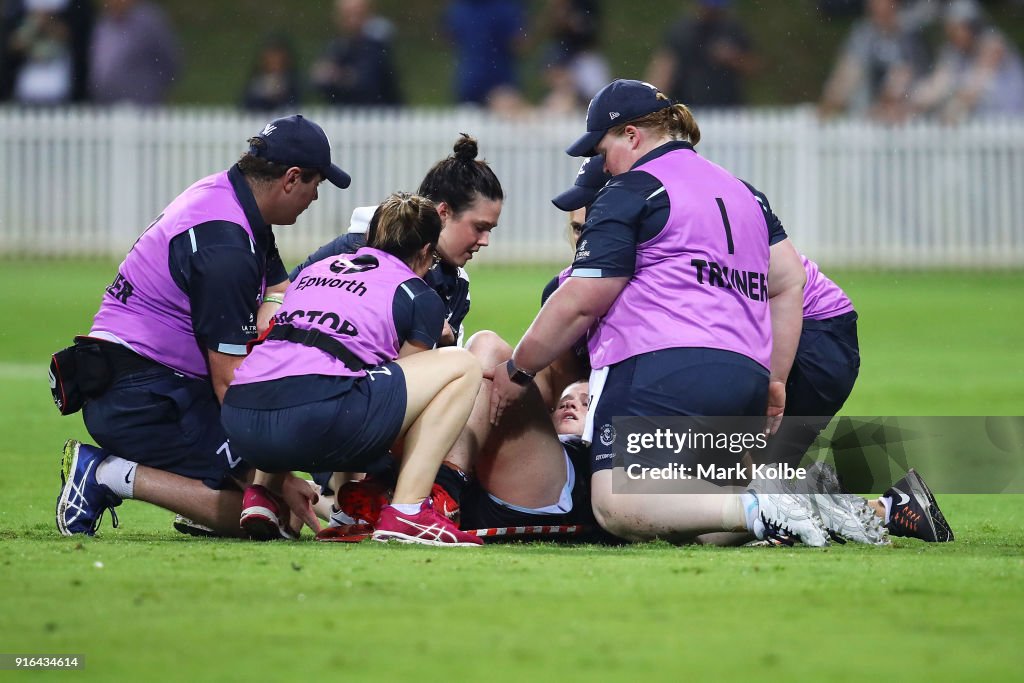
(222, 273)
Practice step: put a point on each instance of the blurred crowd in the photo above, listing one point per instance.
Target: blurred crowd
(901, 59)
(888, 68)
(60, 51)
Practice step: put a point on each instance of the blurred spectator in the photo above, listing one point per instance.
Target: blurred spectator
(882, 57)
(841, 8)
(704, 58)
(43, 43)
(488, 35)
(356, 67)
(563, 96)
(575, 31)
(135, 54)
(45, 50)
(273, 83)
(978, 71)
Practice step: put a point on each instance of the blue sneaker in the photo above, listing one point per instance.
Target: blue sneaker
(82, 499)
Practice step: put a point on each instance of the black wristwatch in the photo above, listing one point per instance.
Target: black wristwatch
(518, 375)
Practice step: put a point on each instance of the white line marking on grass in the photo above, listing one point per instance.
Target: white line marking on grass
(9, 370)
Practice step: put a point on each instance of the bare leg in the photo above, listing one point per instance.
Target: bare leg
(324, 507)
(490, 350)
(442, 386)
(671, 516)
(521, 461)
(218, 510)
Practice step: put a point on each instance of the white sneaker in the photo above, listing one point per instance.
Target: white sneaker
(846, 517)
(785, 518)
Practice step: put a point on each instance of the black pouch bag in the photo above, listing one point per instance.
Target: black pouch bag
(78, 373)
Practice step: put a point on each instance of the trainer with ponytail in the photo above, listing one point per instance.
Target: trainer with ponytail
(346, 370)
(675, 267)
(468, 197)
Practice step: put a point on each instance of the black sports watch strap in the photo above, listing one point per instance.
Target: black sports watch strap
(518, 375)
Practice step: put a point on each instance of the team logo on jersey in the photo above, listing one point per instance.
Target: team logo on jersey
(360, 264)
(607, 435)
(582, 251)
(268, 129)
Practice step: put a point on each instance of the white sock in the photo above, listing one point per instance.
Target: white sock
(118, 475)
(887, 502)
(752, 510)
(407, 508)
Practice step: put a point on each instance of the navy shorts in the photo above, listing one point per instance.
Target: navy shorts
(678, 382)
(824, 371)
(162, 419)
(825, 368)
(347, 432)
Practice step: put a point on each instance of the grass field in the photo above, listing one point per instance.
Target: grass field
(143, 603)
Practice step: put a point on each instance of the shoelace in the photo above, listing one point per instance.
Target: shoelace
(776, 532)
(113, 520)
(77, 502)
(908, 518)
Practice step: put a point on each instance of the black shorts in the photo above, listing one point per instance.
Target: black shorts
(344, 432)
(165, 420)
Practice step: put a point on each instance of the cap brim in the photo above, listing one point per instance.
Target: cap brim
(337, 177)
(584, 147)
(575, 197)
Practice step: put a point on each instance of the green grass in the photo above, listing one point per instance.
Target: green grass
(142, 602)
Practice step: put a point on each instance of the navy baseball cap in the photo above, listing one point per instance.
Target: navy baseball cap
(297, 141)
(616, 103)
(589, 182)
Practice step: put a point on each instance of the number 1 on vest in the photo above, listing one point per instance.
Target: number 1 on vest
(725, 222)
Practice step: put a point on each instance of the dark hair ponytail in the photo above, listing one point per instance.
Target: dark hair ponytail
(457, 179)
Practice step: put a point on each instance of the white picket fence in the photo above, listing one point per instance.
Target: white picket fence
(86, 182)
